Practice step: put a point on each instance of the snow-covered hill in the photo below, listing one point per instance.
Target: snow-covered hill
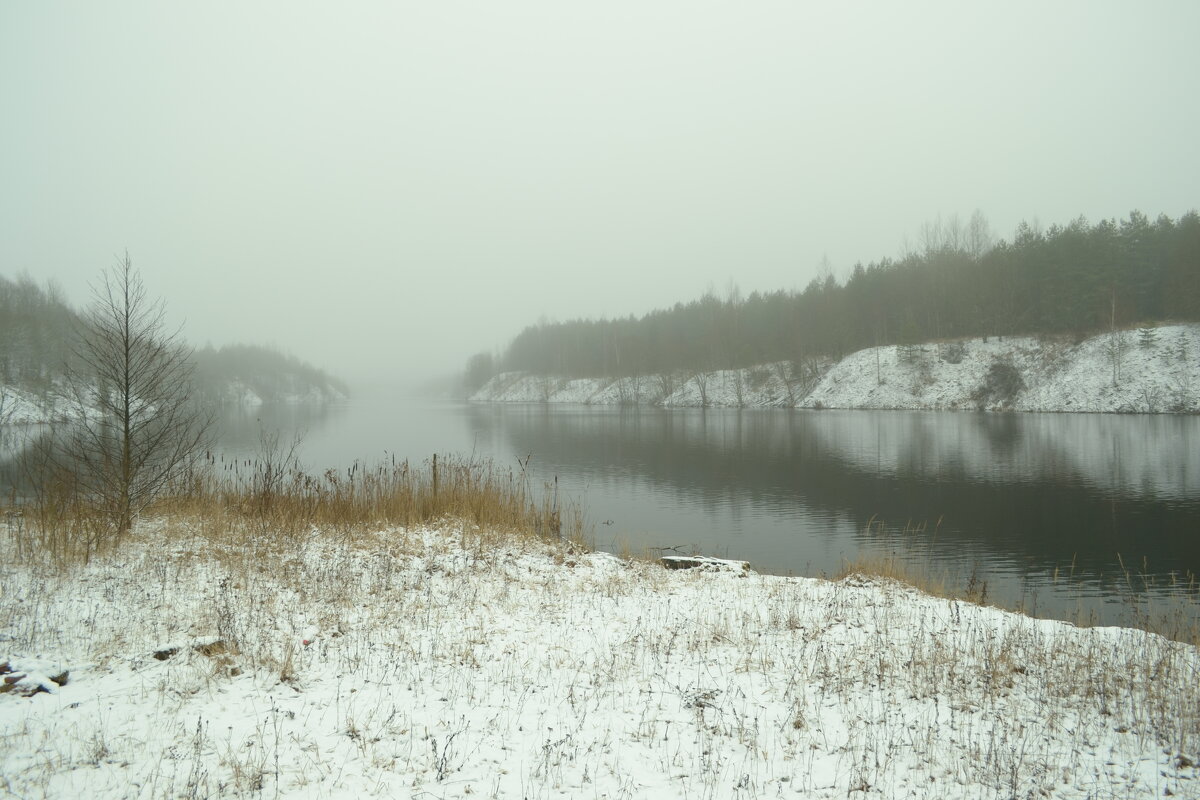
(1152, 370)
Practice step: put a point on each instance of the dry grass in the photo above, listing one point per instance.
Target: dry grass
(255, 509)
(281, 496)
(269, 500)
(1173, 614)
(924, 578)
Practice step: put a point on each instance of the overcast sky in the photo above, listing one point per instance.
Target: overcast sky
(392, 186)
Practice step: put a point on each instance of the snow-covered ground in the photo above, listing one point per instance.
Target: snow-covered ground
(1125, 372)
(20, 407)
(765, 385)
(443, 663)
(239, 393)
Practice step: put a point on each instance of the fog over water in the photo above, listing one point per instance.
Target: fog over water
(385, 188)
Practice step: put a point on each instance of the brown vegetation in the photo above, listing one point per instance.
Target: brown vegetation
(270, 497)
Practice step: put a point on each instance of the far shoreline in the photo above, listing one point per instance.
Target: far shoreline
(1112, 373)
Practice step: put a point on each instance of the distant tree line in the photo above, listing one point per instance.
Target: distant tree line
(956, 282)
(35, 333)
(268, 372)
(38, 327)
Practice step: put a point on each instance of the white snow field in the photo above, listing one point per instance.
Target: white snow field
(446, 663)
(1120, 372)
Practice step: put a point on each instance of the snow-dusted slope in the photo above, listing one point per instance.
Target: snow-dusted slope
(446, 664)
(1121, 372)
(921, 376)
(19, 407)
(1126, 371)
(240, 393)
(764, 385)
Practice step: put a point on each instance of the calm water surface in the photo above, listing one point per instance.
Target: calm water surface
(1061, 514)
(1065, 515)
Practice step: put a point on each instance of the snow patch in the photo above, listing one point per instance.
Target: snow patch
(1154, 370)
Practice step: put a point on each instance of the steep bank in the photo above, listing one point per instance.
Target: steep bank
(1154, 370)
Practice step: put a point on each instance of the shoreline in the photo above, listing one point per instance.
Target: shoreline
(1124, 372)
(462, 662)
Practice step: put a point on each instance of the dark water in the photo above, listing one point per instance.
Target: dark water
(1062, 515)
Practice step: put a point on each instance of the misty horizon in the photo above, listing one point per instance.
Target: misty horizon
(391, 189)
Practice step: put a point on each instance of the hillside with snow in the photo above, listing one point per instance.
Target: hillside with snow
(1152, 370)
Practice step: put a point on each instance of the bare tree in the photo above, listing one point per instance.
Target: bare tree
(8, 407)
(701, 379)
(808, 373)
(547, 386)
(942, 235)
(1115, 344)
(783, 371)
(666, 385)
(979, 237)
(137, 428)
(739, 386)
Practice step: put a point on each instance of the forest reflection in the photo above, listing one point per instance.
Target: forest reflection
(1037, 490)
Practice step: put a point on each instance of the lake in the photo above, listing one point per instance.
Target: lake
(1064, 515)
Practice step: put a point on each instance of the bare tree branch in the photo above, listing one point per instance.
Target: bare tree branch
(137, 426)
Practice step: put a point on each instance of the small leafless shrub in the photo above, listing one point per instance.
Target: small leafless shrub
(635, 388)
(739, 386)
(784, 373)
(1115, 347)
(909, 353)
(548, 385)
(807, 372)
(758, 377)
(701, 379)
(1183, 396)
(952, 352)
(1001, 385)
(1152, 399)
(923, 373)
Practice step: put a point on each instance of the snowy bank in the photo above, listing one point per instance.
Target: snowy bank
(764, 385)
(294, 393)
(22, 407)
(449, 663)
(1152, 370)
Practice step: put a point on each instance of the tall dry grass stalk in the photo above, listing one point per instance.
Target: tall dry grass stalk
(270, 498)
(1174, 615)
